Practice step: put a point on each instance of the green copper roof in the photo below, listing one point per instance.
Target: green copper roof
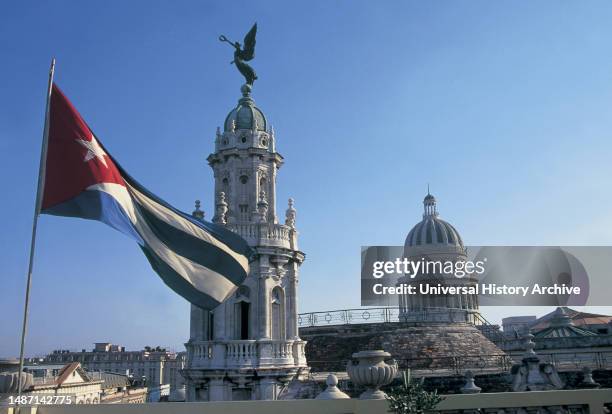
(245, 114)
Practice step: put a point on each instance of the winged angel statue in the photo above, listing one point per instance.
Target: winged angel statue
(243, 54)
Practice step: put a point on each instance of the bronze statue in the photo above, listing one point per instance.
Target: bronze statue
(244, 55)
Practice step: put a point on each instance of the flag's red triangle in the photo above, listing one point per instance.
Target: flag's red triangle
(75, 160)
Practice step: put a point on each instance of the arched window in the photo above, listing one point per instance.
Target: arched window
(242, 313)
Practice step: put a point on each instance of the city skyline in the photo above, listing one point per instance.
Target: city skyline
(504, 111)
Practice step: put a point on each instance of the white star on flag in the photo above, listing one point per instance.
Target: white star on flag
(94, 150)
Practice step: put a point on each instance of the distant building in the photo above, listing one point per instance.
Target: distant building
(120, 389)
(562, 326)
(516, 326)
(599, 324)
(158, 393)
(157, 365)
(565, 336)
(70, 380)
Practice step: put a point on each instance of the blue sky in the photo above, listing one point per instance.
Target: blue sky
(505, 108)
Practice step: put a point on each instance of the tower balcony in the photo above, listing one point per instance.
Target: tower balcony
(266, 234)
(246, 354)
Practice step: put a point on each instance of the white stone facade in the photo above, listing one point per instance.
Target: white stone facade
(249, 347)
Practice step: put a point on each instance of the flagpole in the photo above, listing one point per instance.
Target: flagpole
(39, 195)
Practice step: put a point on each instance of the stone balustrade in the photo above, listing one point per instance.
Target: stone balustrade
(246, 353)
(267, 234)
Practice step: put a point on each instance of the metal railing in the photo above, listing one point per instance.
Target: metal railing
(389, 314)
(575, 360)
(348, 316)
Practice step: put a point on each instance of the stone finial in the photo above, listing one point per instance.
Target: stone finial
(197, 213)
(262, 206)
(245, 89)
(218, 133)
(290, 215)
(332, 392)
(221, 209)
(470, 387)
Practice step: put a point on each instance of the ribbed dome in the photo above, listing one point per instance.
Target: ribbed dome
(432, 230)
(245, 114)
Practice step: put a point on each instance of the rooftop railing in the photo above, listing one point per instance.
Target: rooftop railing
(388, 314)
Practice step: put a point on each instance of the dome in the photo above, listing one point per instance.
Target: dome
(245, 114)
(432, 230)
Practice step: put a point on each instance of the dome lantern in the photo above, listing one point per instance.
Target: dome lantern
(429, 204)
(432, 230)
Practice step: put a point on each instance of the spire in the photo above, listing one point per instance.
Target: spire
(197, 213)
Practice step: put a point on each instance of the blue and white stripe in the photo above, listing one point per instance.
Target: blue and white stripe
(202, 262)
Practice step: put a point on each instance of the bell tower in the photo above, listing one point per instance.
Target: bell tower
(249, 346)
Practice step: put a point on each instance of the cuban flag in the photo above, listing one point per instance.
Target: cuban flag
(201, 261)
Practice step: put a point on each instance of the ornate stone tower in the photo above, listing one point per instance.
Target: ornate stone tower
(248, 347)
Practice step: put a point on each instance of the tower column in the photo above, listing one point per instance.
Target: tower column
(264, 302)
(292, 323)
(272, 210)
